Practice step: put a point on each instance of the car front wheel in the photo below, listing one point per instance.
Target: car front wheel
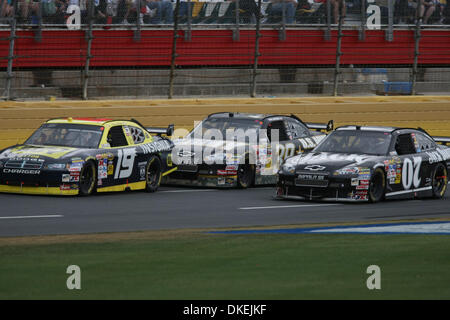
(88, 177)
(153, 174)
(377, 185)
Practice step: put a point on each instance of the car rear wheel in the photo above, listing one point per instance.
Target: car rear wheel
(153, 174)
(377, 185)
(245, 175)
(439, 181)
(88, 178)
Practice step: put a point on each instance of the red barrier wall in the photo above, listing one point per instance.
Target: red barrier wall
(64, 48)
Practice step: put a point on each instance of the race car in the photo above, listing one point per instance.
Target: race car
(356, 163)
(77, 156)
(240, 149)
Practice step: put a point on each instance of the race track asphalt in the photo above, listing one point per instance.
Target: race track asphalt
(175, 208)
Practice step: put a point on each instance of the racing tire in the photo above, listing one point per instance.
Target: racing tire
(439, 181)
(153, 174)
(88, 179)
(245, 176)
(377, 186)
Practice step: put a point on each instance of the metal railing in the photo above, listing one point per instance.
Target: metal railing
(236, 15)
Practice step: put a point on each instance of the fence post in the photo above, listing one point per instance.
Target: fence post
(188, 33)
(38, 32)
(362, 31)
(417, 36)
(9, 73)
(337, 70)
(390, 29)
(89, 38)
(327, 35)
(282, 32)
(174, 50)
(257, 54)
(137, 32)
(236, 32)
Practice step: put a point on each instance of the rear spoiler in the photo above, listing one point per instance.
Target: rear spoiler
(159, 131)
(442, 140)
(321, 126)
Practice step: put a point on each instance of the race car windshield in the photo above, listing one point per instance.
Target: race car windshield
(67, 135)
(356, 141)
(219, 126)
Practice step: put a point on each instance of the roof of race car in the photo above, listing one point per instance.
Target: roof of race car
(369, 128)
(91, 121)
(243, 115)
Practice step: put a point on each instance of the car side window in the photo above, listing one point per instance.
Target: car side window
(280, 126)
(116, 137)
(404, 144)
(297, 129)
(425, 143)
(137, 134)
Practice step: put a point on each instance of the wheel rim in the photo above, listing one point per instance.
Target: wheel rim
(377, 186)
(440, 180)
(87, 179)
(153, 173)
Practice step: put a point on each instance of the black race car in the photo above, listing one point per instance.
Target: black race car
(81, 155)
(368, 164)
(212, 155)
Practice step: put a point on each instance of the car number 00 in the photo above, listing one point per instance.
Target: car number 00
(125, 163)
(410, 173)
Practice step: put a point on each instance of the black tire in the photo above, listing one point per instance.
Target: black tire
(377, 186)
(245, 175)
(439, 181)
(88, 179)
(153, 174)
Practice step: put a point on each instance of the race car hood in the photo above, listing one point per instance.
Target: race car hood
(324, 161)
(187, 148)
(37, 152)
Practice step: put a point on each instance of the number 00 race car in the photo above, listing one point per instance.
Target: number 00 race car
(78, 156)
(368, 164)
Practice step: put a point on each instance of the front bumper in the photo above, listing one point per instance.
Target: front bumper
(46, 182)
(337, 189)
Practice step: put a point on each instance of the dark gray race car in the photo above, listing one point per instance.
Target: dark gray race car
(356, 163)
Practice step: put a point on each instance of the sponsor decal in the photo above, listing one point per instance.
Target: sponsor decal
(155, 147)
(231, 167)
(220, 181)
(74, 177)
(65, 178)
(355, 182)
(35, 152)
(438, 156)
(110, 168)
(64, 187)
(362, 187)
(22, 171)
(364, 182)
(229, 180)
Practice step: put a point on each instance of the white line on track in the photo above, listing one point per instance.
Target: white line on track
(33, 217)
(291, 206)
(187, 190)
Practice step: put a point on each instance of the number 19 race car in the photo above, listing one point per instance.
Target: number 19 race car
(83, 155)
(368, 164)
